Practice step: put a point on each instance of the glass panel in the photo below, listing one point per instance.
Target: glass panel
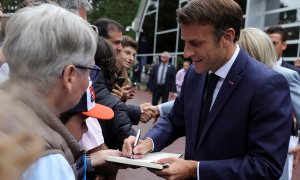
(243, 4)
(167, 15)
(291, 51)
(282, 18)
(161, 44)
(276, 4)
(293, 33)
(147, 36)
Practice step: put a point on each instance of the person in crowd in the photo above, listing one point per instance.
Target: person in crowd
(136, 73)
(115, 131)
(223, 133)
(62, 62)
(257, 44)
(163, 80)
(112, 31)
(125, 60)
(75, 121)
(180, 75)
(297, 63)
(279, 37)
(92, 140)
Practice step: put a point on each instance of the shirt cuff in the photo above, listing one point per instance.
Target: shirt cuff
(160, 111)
(198, 177)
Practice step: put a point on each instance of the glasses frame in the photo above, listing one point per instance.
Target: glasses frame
(94, 68)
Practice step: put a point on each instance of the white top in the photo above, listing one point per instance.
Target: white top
(93, 137)
(60, 169)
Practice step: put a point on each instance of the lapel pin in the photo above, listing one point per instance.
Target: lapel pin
(230, 82)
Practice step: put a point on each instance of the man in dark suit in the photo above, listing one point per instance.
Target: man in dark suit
(162, 80)
(279, 37)
(245, 134)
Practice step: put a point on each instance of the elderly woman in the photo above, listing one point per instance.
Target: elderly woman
(49, 72)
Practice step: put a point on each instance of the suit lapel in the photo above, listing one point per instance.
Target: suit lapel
(229, 84)
(196, 108)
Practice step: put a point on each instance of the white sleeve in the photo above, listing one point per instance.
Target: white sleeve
(50, 167)
(93, 137)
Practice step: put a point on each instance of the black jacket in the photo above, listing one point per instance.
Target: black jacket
(120, 127)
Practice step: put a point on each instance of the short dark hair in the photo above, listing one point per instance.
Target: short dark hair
(106, 25)
(221, 14)
(276, 29)
(129, 41)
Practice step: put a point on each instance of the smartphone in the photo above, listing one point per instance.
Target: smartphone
(120, 81)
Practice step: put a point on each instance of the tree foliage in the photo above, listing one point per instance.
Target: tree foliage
(122, 11)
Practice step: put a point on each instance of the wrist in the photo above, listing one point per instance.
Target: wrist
(149, 144)
(193, 167)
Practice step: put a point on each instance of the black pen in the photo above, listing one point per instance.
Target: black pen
(136, 141)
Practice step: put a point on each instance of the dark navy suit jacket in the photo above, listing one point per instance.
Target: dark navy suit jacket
(247, 132)
(170, 85)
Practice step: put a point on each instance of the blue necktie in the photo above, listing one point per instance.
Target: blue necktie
(207, 99)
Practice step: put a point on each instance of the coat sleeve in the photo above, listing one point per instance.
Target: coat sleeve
(166, 107)
(134, 113)
(119, 128)
(294, 84)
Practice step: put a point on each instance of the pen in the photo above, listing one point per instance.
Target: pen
(136, 141)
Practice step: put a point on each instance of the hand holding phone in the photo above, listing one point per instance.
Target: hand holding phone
(120, 81)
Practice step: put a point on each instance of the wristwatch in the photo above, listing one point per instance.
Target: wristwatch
(89, 166)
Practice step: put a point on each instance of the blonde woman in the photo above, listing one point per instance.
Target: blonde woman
(258, 44)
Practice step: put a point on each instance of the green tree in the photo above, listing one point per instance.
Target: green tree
(122, 11)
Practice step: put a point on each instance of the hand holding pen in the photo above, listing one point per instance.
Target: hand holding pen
(135, 147)
(136, 141)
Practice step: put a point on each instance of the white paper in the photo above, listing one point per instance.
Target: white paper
(147, 161)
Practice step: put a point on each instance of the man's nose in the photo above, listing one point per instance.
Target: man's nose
(188, 51)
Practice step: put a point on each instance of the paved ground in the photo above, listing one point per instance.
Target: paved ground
(177, 146)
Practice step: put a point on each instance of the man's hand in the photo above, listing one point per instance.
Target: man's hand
(178, 168)
(146, 114)
(296, 153)
(142, 148)
(154, 110)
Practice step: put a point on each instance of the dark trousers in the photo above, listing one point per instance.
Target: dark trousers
(159, 92)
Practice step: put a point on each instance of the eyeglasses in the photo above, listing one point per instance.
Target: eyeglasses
(94, 71)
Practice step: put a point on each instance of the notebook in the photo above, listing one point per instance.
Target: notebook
(147, 161)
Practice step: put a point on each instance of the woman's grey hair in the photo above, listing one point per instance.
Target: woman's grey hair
(42, 40)
(70, 5)
(258, 45)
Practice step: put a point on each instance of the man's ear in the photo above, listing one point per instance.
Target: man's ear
(69, 77)
(228, 37)
(284, 46)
